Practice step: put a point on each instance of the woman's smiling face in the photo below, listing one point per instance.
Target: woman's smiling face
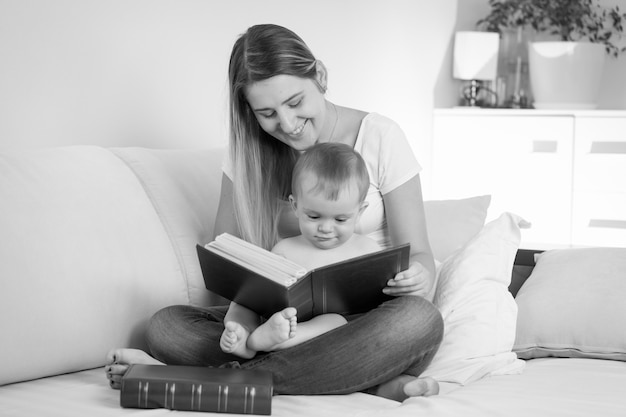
(290, 108)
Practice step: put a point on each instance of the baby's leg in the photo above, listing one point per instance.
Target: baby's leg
(276, 330)
(234, 340)
(118, 361)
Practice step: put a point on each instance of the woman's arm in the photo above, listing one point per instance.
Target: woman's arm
(225, 219)
(404, 210)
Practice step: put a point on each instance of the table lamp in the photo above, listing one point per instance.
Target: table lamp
(475, 60)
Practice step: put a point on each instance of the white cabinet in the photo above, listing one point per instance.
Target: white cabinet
(565, 172)
(599, 183)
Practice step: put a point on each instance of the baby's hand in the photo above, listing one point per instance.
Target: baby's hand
(415, 280)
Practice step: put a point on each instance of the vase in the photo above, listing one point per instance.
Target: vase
(513, 84)
(566, 75)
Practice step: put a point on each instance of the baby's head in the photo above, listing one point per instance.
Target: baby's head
(329, 186)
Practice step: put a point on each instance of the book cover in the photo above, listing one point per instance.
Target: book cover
(192, 388)
(347, 287)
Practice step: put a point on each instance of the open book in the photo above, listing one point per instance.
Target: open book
(266, 283)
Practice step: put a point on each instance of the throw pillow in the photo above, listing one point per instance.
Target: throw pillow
(452, 223)
(478, 310)
(572, 305)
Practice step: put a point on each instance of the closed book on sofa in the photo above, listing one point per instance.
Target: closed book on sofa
(192, 388)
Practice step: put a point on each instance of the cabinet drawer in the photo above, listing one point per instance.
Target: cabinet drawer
(599, 219)
(600, 155)
(524, 163)
(480, 155)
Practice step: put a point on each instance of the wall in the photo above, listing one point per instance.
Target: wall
(153, 72)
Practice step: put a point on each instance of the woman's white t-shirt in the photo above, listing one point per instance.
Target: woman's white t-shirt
(390, 163)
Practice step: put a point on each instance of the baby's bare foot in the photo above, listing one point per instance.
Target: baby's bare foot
(277, 329)
(405, 386)
(234, 340)
(421, 387)
(118, 361)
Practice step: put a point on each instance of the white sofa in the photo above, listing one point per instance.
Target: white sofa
(93, 241)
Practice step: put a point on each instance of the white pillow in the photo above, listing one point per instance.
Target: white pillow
(478, 310)
(572, 305)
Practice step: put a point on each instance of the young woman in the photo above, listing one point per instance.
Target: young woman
(278, 108)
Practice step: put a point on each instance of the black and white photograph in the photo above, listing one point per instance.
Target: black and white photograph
(321, 208)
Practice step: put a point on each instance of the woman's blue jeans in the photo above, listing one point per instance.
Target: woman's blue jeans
(401, 336)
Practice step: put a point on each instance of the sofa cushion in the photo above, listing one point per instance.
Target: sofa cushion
(183, 186)
(572, 305)
(452, 223)
(84, 260)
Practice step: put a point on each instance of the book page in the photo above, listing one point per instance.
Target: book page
(259, 260)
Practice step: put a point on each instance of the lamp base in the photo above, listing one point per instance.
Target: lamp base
(477, 94)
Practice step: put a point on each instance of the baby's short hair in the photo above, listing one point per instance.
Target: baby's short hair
(336, 166)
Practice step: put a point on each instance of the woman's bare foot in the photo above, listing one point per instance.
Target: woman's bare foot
(234, 340)
(118, 361)
(404, 386)
(277, 329)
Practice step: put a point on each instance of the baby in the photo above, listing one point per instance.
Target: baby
(329, 186)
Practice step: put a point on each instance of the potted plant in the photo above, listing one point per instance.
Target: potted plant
(573, 38)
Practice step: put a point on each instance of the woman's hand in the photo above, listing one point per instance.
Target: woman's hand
(406, 220)
(415, 280)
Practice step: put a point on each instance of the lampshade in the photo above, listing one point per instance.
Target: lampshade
(476, 55)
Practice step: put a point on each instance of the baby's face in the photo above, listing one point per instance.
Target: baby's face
(326, 223)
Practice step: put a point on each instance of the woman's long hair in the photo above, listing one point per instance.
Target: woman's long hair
(262, 164)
